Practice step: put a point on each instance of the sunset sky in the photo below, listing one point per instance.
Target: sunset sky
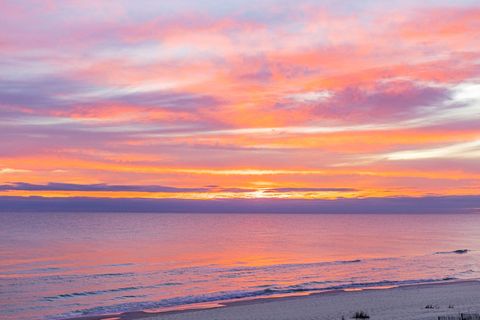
(239, 99)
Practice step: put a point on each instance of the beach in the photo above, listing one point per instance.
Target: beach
(417, 302)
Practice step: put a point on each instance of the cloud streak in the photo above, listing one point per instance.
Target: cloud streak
(102, 187)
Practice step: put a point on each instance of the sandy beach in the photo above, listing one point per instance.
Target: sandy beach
(407, 302)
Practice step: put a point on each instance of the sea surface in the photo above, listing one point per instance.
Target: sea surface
(61, 265)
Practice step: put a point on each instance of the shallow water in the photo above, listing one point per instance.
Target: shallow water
(60, 265)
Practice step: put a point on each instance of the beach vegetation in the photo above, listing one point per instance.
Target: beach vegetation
(361, 315)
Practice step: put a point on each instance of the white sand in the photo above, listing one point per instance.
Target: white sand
(407, 302)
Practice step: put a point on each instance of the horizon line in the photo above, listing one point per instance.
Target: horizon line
(425, 204)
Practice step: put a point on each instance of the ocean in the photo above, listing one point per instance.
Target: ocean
(63, 265)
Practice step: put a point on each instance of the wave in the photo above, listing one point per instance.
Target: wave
(118, 265)
(88, 293)
(218, 269)
(240, 294)
(459, 251)
(98, 292)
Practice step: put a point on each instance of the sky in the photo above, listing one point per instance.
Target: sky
(202, 100)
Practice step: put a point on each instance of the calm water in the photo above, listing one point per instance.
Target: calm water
(55, 266)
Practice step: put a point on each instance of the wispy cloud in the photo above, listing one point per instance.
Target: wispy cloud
(12, 170)
(459, 150)
(53, 186)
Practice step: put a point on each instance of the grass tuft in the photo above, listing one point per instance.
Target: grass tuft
(361, 315)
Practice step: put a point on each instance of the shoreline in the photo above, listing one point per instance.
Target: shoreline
(223, 309)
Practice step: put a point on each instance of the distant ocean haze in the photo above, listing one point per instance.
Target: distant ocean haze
(60, 265)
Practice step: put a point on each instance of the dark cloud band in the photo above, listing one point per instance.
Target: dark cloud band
(55, 186)
(404, 205)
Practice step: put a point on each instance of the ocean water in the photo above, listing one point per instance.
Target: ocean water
(61, 265)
